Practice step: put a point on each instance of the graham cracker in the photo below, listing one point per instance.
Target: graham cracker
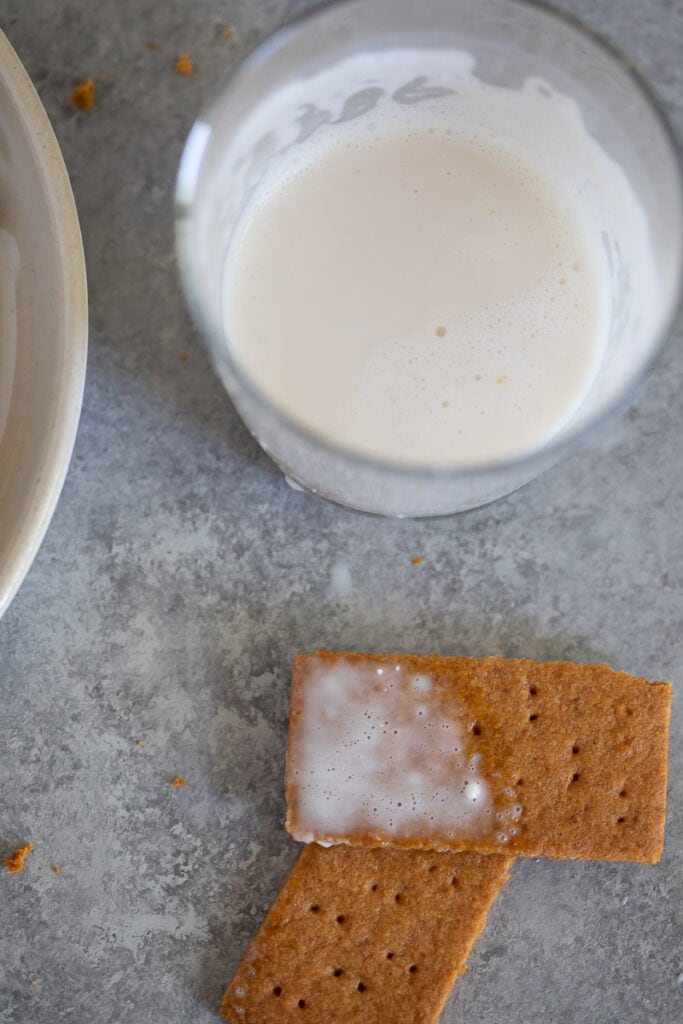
(571, 760)
(372, 935)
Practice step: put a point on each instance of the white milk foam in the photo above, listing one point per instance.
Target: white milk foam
(374, 752)
(427, 284)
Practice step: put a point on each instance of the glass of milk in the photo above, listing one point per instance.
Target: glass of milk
(429, 246)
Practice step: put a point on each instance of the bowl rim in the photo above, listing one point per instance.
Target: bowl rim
(70, 381)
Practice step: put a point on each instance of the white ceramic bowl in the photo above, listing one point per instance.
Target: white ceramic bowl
(43, 322)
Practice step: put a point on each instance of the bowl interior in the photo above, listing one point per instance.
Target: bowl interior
(43, 322)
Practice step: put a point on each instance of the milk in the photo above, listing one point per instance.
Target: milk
(425, 273)
(376, 751)
(418, 297)
(383, 752)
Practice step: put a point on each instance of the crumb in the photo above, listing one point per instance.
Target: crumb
(15, 861)
(100, 77)
(153, 46)
(178, 781)
(184, 64)
(83, 95)
(35, 981)
(56, 870)
(228, 31)
(138, 743)
(182, 356)
(416, 560)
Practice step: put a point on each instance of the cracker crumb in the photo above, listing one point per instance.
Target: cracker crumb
(15, 861)
(184, 64)
(153, 46)
(182, 356)
(83, 95)
(138, 743)
(178, 781)
(416, 560)
(228, 31)
(56, 870)
(35, 981)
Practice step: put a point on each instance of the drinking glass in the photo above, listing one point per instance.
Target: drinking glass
(235, 141)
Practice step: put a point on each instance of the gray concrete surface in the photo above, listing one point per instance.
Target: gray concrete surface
(180, 575)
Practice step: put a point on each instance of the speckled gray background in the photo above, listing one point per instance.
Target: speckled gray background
(180, 575)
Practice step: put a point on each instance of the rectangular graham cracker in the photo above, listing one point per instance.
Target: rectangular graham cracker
(372, 935)
(488, 754)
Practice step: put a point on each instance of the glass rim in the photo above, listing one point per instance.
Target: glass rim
(185, 200)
